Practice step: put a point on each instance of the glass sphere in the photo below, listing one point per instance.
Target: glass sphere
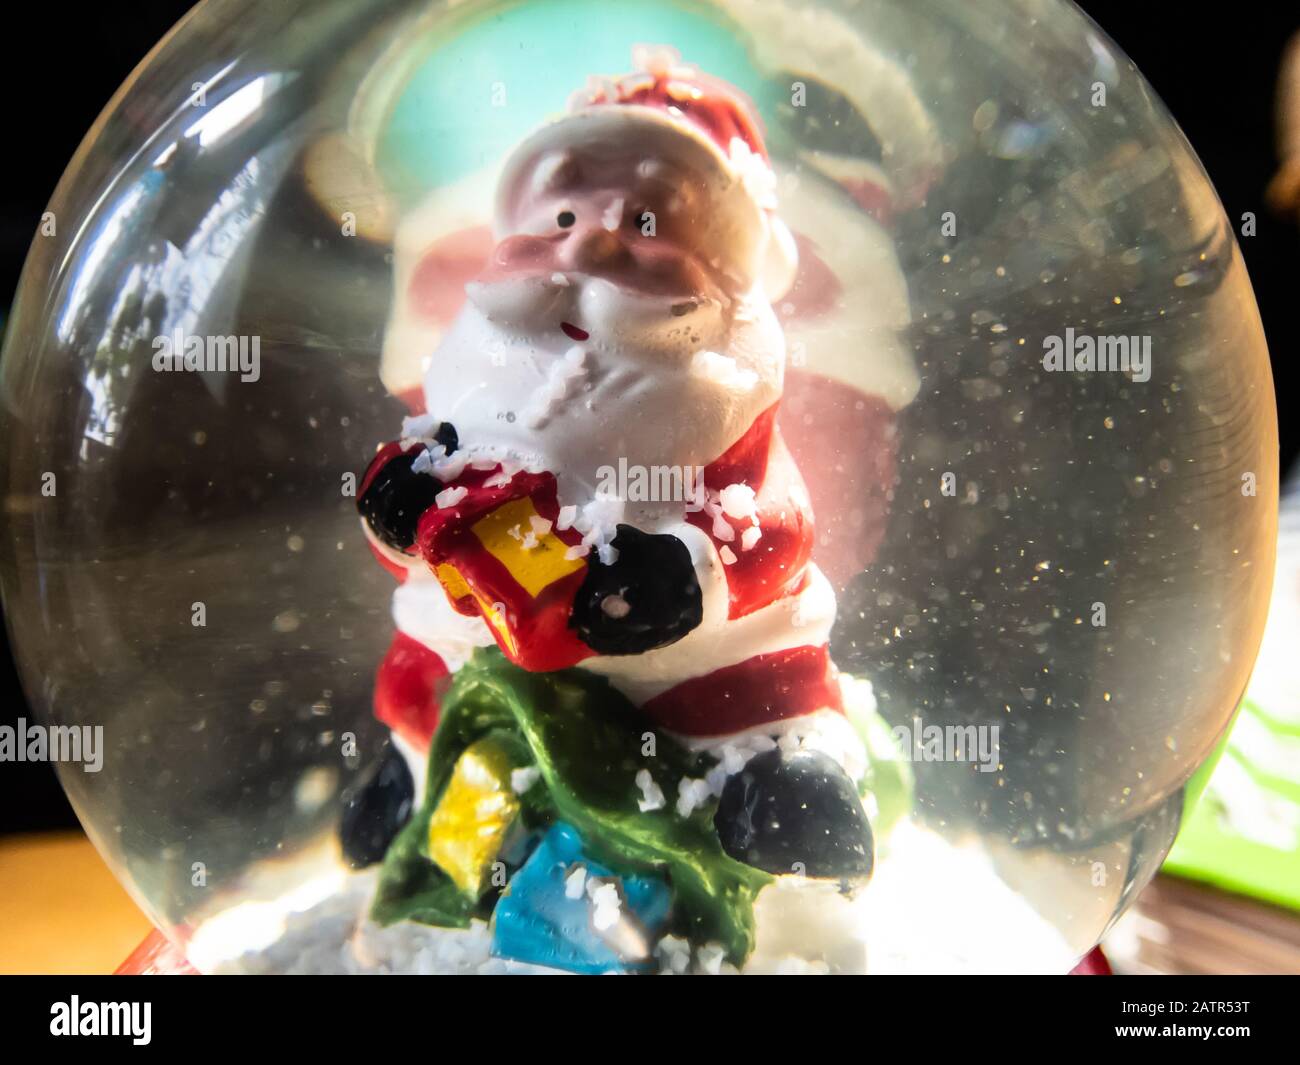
(1028, 434)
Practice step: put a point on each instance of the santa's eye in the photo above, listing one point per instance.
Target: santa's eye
(640, 219)
(565, 219)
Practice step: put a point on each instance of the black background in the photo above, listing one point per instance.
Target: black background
(1086, 1012)
(1215, 66)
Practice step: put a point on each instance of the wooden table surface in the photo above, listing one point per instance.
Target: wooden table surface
(1178, 927)
(61, 909)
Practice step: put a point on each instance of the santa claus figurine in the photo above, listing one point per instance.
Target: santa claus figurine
(657, 753)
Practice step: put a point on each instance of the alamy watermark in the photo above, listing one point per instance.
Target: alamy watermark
(76, 1018)
(178, 351)
(1083, 352)
(652, 484)
(55, 743)
(978, 744)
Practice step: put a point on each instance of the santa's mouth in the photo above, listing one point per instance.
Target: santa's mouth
(573, 332)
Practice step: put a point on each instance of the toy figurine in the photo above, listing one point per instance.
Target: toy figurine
(655, 758)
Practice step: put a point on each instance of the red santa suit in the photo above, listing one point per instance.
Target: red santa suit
(503, 541)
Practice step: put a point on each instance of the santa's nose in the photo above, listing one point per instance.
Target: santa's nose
(595, 248)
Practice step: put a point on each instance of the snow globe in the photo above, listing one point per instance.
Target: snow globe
(693, 486)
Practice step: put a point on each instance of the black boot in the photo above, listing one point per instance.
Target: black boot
(796, 812)
(376, 810)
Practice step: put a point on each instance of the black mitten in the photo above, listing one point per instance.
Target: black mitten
(394, 496)
(649, 597)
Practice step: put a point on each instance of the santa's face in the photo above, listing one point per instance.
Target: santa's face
(622, 217)
(605, 249)
(602, 330)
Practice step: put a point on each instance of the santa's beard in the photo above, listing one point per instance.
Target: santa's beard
(655, 384)
(666, 327)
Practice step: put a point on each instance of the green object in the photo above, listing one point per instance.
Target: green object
(889, 776)
(588, 743)
(1244, 833)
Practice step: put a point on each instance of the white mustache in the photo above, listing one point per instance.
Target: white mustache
(523, 301)
(677, 325)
